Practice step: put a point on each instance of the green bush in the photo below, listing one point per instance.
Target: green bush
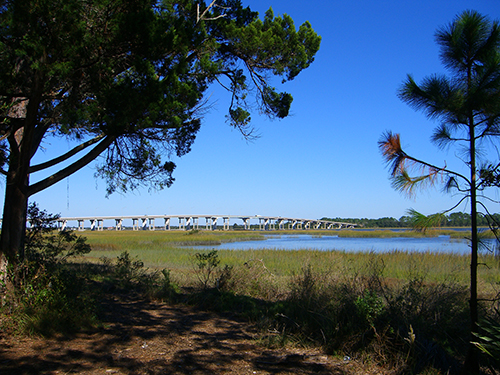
(129, 275)
(164, 287)
(47, 294)
(205, 266)
(369, 307)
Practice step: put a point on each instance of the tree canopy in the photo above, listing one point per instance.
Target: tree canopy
(126, 79)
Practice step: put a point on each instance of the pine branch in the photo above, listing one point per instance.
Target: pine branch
(66, 156)
(63, 173)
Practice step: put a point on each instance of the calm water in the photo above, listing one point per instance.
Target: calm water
(298, 242)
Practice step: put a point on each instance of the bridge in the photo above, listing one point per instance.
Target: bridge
(188, 222)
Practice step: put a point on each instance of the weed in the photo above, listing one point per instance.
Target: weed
(225, 280)
(128, 270)
(163, 287)
(369, 307)
(205, 265)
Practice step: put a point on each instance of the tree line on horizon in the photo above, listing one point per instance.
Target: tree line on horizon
(455, 219)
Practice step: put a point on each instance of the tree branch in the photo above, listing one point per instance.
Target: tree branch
(201, 18)
(69, 170)
(66, 156)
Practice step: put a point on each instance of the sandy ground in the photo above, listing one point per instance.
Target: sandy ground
(144, 337)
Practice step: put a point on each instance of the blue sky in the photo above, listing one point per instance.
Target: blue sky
(323, 160)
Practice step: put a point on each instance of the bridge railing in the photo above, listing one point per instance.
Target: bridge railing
(211, 222)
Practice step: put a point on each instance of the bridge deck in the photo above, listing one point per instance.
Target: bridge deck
(187, 222)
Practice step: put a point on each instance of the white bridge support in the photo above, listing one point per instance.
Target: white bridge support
(280, 224)
(80, 225)
(62, 224)
(151, 222)
(225, 221)
(96, 224)
(264, 223)
(188, 222)
(119, 224)
(246, 223)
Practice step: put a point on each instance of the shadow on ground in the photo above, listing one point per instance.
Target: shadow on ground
(143, 337)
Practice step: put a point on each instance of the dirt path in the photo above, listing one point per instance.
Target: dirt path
(142, 337)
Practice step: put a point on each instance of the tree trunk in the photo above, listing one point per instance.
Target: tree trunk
(13, 227)
(471, 365)
(14, 220)
(23, 142)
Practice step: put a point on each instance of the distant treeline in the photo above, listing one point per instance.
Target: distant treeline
(456, 219)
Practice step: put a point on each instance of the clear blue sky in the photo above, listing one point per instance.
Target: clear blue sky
(323, 160)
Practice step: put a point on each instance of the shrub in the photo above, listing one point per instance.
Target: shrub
(48, 295)
(205, 266)
(164, 288)
(47, 246)
(369, 307)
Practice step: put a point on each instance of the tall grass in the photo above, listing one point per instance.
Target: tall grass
(167, 249)
(151, 240)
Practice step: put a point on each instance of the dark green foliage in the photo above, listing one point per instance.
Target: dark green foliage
(165, 289)
(45, 245)
(51, 301)
(128, 270)
(369, 306)
(410, 327)
(209, 273)
(130, 275)
(488, 337)
(140, 80)
(205, 265)
(454, 219)
(45, 290)
(384, 222)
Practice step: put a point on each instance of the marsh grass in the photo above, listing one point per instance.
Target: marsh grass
(158, 240)
(167, 249)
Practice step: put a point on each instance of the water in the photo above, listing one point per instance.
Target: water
(325, 243)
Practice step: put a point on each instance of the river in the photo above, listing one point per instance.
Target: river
(326, 243)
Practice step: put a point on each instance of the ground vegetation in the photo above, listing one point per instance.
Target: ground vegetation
(244, 311)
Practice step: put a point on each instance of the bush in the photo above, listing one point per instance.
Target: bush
(47, 295)
(47, 246)
(408, 326)
(205, 265)
(130, 274)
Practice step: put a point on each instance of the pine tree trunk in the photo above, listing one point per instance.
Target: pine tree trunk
(14, 221)
(471, 365)
(23, 120)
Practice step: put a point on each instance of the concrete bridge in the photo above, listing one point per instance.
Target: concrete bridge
(208, 222)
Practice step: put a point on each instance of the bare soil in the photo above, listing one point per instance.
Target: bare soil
(147, 337)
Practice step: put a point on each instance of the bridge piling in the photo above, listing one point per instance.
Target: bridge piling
(147, 222)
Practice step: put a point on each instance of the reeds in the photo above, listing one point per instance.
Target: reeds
(160, 249)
